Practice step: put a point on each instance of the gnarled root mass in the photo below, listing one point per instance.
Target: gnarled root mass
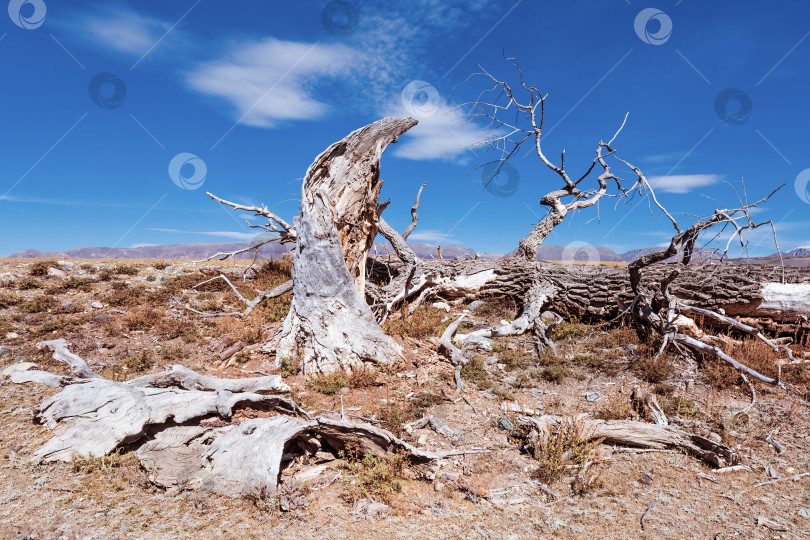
(174, 421)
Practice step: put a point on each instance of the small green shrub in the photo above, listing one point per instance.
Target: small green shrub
(555, 373)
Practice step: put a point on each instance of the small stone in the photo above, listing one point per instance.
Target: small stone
(476, 304)
(715, 437)
(12, 335)
(169, 268)
(438, 486)
(66, 264)
(646, 480)
(16, 448)
(506, 424)
(96, 305)
(22, 358)
(4, 350)
(484, 346)
(101, 319)
(804, 511)
(55, 272)
(378, 509)
(593, 397)
(345, 390)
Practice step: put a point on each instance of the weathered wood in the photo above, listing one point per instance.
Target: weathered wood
(593, 291)
(329, 326)
(245, 459)
(629, 433)
(167, 418)
(92, 416)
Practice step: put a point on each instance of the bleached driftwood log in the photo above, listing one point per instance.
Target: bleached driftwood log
(330, 326)
(174, 420)
(626, 433)
(93, 416)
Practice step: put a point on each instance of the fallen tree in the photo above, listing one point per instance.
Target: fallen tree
(333, 325)
(174, 422)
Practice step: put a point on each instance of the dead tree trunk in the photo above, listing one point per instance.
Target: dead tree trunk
(329, 326)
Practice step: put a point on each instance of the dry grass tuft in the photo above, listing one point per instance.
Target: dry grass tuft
(753, 353)
(652, 369)
(374, 477)
(331, 383)
(475, 371)
(39, 304)
(28, 283)
(423, 322)
(563, 448)
(8, 300)
(40, 268)
(616, 406)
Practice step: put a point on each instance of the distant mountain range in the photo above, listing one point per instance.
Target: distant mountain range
(797, 257)
(202, 251)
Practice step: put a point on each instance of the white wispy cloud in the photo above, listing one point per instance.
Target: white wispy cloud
(683, 183)
(432, 236)
(271, 80)
(443, 134)
(234, 235)
(121, 29)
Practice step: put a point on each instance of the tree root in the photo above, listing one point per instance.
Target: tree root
(173, 420)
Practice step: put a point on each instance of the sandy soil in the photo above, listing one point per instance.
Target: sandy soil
(145, 331)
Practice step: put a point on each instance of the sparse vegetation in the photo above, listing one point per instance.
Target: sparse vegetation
(555, 373)
(39, 304)
(423, 322)
(331, 383)
(8, 300)
(40, 268)
(28, 283)
(100, 463)
(475, 371)
(653, 369)
(375, 477)
(125, 270)
(567, 446)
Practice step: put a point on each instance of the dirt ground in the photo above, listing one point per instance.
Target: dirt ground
(119, 316)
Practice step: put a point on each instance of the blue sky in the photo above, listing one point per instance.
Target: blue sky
(99, 97)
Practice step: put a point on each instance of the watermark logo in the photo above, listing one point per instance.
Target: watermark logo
(500, 179)
(581, 253)
(261, 239)
(802, 185)
(420, 99)
(187, 171)
(107, 91)
(340, 18)
(733, 106)
(653, 26)
(28, 14)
